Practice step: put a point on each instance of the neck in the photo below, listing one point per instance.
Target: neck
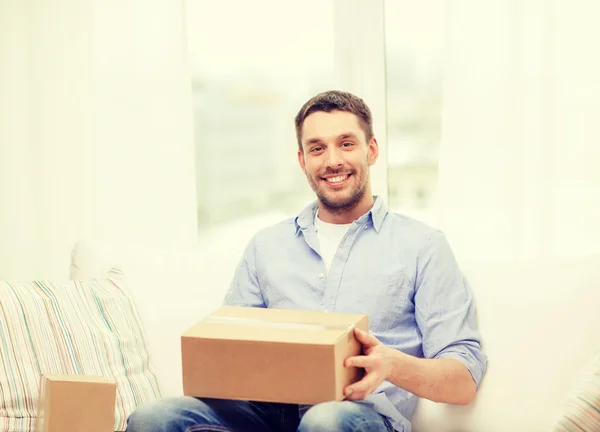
(346, 215)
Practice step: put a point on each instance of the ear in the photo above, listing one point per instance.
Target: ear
(301, 161)
(372, 151)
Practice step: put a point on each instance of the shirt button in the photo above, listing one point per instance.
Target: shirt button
(365, 227)
(321, 275)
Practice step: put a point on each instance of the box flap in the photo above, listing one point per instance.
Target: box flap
(78, 378)
(274, 325)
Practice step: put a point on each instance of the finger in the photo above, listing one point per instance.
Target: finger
(365, 338)
(363, 387)
(356, 396)
(366, 362)
(353, 395)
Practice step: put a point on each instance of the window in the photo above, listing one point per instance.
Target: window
(414, 43)
(251, 74)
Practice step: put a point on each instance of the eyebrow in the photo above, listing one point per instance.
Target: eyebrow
(339, 137)
(347, 135)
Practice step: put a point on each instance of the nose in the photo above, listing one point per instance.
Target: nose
(334, 158)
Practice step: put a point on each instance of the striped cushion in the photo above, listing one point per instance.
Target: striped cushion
(582, 409)
(72, 327)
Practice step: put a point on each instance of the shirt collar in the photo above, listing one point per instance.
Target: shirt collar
(376, 215)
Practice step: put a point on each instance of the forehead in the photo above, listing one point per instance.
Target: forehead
(329, 125)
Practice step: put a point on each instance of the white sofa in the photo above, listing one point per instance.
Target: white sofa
(540, 321)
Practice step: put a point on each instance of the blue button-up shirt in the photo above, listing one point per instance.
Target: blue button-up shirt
(399, 271)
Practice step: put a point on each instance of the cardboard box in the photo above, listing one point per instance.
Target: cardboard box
(76, 403)
(271, 355)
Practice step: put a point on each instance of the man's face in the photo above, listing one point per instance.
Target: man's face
(336, 157)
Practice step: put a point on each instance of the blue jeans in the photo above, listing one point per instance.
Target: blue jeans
(187, 414)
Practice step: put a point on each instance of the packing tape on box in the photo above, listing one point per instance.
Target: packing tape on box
(279, 324)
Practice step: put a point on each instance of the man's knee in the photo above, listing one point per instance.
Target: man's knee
(343, 416)
(167, 415)
(332, 416)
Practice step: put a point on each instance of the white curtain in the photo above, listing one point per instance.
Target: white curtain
(520, 154)
(95, 130)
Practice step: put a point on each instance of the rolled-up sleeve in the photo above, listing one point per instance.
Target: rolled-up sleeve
(445, 309)
(244, 289)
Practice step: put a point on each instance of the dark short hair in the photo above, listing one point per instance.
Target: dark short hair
(336, 100)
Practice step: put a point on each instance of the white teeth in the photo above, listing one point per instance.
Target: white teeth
(337, 179)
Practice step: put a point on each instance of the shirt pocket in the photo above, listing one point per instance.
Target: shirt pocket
(395, 287)
(392, 300)
(385, 296)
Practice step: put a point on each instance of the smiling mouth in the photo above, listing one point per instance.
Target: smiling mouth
(337, 180)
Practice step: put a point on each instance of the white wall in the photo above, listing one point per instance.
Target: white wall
(519, 160)
(95, 130)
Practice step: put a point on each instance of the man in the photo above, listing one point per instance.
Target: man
(347, 253)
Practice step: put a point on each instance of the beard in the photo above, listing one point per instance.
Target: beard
(339, 201)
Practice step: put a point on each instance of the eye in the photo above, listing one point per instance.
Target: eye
(316, 149)
(347, 144)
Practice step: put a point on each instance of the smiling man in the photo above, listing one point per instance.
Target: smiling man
(336, 163)
(347, 253)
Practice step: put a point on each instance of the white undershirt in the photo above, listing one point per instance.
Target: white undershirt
(330, 235)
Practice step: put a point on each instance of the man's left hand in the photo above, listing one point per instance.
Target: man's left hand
(377, 363)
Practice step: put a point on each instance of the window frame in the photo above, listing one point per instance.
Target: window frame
(360, 68)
